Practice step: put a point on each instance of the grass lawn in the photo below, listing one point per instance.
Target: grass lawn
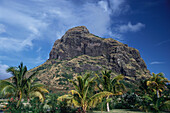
(120, 111)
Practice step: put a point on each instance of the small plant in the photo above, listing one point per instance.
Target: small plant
(52, 102)
(11, 106)
(65, 108)
(36, 106)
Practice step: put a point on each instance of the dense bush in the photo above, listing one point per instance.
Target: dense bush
(11, 106)
(64, 108)
(128, 101)
(52, 102)
(36, 106)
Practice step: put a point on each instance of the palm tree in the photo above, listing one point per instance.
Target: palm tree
(19, 83)
(35, 89)
(157, 83)
(16, 88)
(83, 96)
(110, 85)
(144, 88)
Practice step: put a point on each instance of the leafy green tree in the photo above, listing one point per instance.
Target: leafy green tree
(157, 83)
(19, 81)
(83, 96)
(20, 84)
(110, 85)
(152, 98)
(35, 89)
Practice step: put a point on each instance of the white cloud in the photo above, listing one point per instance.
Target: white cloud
(163, 42)
(156, 62)
(26, 25)
(118, 6)
(2, 28)
(39, 49)
(3, 73)
(131, 28)
(19, 19)
(104, 5)
(12, 44)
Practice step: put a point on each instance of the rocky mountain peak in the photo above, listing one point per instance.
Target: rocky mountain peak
(78, 41)
(79, 51)
(77, 30)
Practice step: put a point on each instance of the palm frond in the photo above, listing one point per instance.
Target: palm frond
(7, 87)
(97, 98)
(39, 95)
(76, 92)
(63, 97)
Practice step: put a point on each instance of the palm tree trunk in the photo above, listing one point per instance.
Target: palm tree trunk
(108, 110)
(84, 109)
(20, 98)
(157, 92)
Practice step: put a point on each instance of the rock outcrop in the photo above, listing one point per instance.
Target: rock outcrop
(80, 51)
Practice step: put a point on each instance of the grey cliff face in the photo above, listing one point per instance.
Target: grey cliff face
(121, 59)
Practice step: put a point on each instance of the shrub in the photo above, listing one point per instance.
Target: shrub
(11, 106)
(128, 101)
(64, 108)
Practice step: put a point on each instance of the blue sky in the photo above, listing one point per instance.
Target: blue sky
(28, 28)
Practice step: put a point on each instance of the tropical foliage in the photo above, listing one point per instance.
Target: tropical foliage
(21, 85)
(91, 92)
(83, 95)
(114, 86)
(152, 96)
(157, 83)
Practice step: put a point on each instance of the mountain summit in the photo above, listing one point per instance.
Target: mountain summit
(79, 51)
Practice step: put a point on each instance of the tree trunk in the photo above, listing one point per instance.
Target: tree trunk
(20, 98)
(108, 110)
(84, 107)
(157, 92)
(84, 110)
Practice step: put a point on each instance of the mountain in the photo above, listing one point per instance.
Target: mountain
(79, 51)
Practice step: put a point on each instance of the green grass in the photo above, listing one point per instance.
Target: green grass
(123, 111)
(120, 111)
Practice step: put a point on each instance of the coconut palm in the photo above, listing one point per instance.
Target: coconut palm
(144, 88)
(35, 89)
(83, 96)
(157, 83)
(110, 85)
(17, 87)
(18, 82)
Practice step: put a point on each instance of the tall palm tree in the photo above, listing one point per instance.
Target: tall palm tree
(35, 89)
(19, 83)
(144, 88)
(157, 83)
(110, 85)
(83, 95)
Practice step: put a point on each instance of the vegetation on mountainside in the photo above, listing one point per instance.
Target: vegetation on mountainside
(92, 92)
(58, 71)
(22, 86)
